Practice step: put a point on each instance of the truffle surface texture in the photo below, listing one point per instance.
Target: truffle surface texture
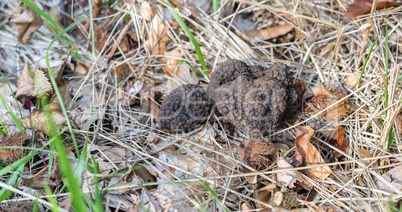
(185, 108)
(254, 98)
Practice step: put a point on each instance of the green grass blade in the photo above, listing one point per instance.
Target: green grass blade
(215, 5)
(54, 83)
(191, 66)
(214, 196)
(4, 193)
(190, 35)
(12, 114)
(365, 62)
(12, 92)
(3, 129)
(44, 15)
(51, 199)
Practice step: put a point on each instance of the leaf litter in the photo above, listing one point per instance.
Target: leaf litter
(140, 50)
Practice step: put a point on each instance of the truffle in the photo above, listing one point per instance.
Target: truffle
(185, 108)
(254, 98)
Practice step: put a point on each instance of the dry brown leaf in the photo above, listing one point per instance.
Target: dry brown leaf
(42, 85)
(287, 178)
(254, 150)
(121, 71)
(310, 155)
(394, 177)
(270, 32)
(351, 81)
(82, 68)
(12, 155)
(40, 122)
(360, 7)
(277, 199)
(264, 195)
(27, 21)
(323, 98)
(25, 82)
(171, 61)
(157, 37)
(147, 12)
(33, 82)
(338, 140)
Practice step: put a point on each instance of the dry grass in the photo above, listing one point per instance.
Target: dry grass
(328, 48)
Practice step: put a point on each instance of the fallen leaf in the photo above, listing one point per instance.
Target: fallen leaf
(147, 12)
(254, 150)
(157, 37)
(121, 71)
(12, 154)
(82, 68)
(310, 155)
(277, 199)
(287, 178)
(360, 7)
(27, 21)
(323, 98)
(338, 140)
(394, 177)
(33, 82)
(351, 81)
(40, 122)
(270, 32)
(25, 82)
(264, 195)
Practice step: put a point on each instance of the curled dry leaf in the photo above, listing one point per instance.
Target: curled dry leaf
(337, 139)
(270, 32)
(33, 82)
(157, 37)
(394, 177)
(287, 178)
(27, 21)
(15, 140)
(324, 98)
(309, 154)
(360, 7)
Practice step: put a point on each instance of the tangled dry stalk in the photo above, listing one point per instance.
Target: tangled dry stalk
(202, 170)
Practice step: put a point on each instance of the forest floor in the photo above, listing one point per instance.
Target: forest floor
(112, 64)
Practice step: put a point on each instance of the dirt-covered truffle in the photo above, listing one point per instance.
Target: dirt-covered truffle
(254, 98)
(185, 108)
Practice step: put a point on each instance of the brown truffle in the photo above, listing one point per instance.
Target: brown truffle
(185, 108)
(254, 98)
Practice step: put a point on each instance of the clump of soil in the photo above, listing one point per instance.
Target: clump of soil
(185, 108)
(254, 98)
